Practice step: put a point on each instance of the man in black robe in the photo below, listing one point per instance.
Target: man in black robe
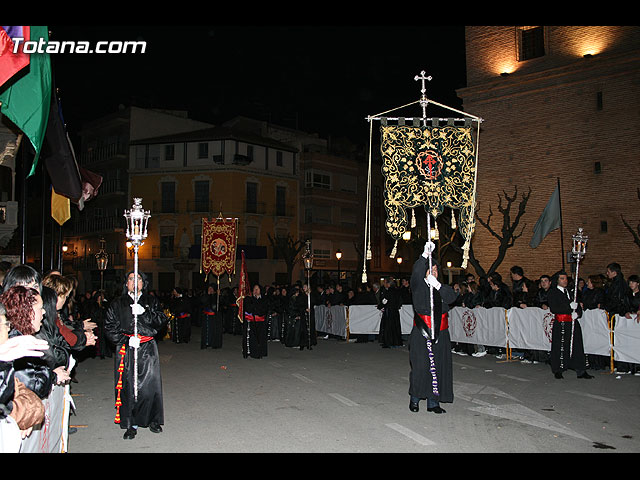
(148, 409)
(564, 355)
(431, 375)
(390, 304)
(211, 326)
(181, 309)
(254, 337)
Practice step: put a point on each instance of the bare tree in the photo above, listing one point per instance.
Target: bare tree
(635, 233)
(506, 236)
(287, 249)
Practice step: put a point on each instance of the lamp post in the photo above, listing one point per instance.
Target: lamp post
(308, 265)
(399, 260)
(338, 256)
(137, 223)
(102, 259)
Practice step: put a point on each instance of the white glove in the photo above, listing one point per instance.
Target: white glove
(137, 309)
(573, 305)
(433, 281)
(134, 342)
(384, 301)
(574, 315)
(428, 248)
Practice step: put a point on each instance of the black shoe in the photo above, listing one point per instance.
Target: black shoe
(155, 428)
(437, 409)
(130, 433)
(585, 375)
(414, 407)
(559, 375)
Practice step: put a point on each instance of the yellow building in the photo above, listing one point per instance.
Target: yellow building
(184, 177)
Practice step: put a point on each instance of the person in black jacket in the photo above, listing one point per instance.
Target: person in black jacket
(211, 326)
(500, 295)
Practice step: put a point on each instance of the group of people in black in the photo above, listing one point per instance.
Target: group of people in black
(609, 291)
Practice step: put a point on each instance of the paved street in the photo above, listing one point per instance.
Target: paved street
(352, 398)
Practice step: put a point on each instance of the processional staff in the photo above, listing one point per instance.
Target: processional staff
(137, 224)
(578, 250)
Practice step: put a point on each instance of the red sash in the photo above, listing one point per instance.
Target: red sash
(249, 317)
(444, 323)
(563, 317)
(184, 315)
(123, 351)
(208, 312)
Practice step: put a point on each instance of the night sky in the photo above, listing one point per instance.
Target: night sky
(322, 79)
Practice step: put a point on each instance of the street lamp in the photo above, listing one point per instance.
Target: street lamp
(338, 256)
(102, 259)
(399, 260)
(308, 265)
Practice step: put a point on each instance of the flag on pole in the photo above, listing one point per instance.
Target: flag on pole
(243, 289)
(549, 220)
(26, 100)
(60, 207)
(11, 62)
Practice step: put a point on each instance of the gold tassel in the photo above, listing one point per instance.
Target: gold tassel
(465, 250)
(436, 234)
(369, 255)
(413, 218)
(453, 219)
(395, 250)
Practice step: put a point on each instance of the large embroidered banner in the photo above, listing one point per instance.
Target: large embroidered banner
(219, 242)
(430, 167)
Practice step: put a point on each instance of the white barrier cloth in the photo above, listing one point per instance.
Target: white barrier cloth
(478, 326)
(626, 339)
(331, 320)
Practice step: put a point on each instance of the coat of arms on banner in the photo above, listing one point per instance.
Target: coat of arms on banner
(219, 242)
(469, 323)
(547, 324)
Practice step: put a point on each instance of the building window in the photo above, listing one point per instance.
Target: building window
(531, 43)
(168, 190)
(318, 179)
(279, 159)
(203, 150)
(252, 236)
(252, 198)
(281, 196)
(201, 196)
(603, 226)
(166, 242)
(597, 167)
(169, 152)
(599, 104)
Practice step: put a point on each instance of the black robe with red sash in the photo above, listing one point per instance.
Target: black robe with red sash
(254, 327)
(118, 328)
(431, 376)
(564, 355)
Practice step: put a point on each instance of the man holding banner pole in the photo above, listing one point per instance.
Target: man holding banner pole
(431, 375)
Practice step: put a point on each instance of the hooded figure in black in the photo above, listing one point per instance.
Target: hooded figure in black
(431, 375)
(565, 355)
(390, 304)
(181, 309)
(148, 409)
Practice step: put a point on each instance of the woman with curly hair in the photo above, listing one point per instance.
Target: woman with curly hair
(24, 312)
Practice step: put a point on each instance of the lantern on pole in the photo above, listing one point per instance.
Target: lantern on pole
(102, 259)
(137, 223)
(578, 250)
(308, 265)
